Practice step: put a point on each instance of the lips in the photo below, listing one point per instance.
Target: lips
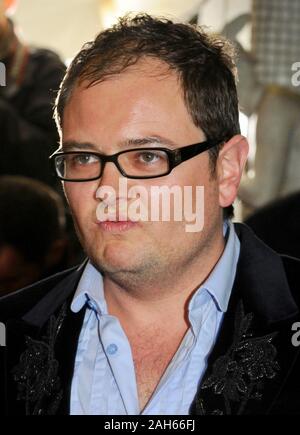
(117, 226)
(114, 217)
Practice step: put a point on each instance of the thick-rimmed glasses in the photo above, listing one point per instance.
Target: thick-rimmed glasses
(138, 163)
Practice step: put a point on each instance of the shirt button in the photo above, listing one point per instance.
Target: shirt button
(112, 349)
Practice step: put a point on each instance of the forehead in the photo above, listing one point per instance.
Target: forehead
(149, 79)
(145, 99)
(145, 69)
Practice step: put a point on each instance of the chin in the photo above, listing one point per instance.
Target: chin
(115, 257)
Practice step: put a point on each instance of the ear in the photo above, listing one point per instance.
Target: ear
(230, 165)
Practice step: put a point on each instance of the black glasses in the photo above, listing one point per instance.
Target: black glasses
(138, 163)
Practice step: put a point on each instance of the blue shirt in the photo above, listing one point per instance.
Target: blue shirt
(104, 379)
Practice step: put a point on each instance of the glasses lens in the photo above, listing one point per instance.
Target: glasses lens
(78, 166)
(144, 162)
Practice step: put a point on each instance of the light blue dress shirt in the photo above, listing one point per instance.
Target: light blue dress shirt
(104, 379)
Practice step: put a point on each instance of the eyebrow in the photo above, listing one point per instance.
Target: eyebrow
(149, 140)
(72, 145)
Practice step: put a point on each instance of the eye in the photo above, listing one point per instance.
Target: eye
(84, 159)
(148, 157)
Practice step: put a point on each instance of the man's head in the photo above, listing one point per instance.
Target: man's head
(150, 78)
(203, 63)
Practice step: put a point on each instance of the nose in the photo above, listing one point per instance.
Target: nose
(108, 186)
(110, 175)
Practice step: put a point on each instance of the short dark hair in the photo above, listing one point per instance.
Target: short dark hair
(204, 63)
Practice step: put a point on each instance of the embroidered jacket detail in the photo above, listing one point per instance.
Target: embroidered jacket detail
(38, 383)
(240, 374)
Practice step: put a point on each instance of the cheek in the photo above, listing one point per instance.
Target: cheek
(205, 193)
(81, 199)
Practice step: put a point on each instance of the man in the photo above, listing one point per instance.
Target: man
(159, 319)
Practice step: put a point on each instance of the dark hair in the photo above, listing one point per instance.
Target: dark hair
(32, 216)
(204, 63)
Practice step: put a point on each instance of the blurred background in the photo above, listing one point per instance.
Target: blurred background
(39, 38)
(65, 26)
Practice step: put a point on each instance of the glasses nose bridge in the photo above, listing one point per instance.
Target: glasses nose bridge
(110, 159)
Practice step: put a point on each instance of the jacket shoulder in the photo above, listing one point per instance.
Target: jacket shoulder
(18, 303)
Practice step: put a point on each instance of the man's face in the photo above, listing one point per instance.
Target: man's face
(145, 101)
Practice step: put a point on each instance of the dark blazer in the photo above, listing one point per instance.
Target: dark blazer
(254, 367)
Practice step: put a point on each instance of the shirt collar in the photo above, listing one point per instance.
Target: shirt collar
(90, 287)
(220, 281)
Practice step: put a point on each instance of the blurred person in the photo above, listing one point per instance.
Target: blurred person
(33, 244)
(27, 129)
(158, 320)
(277, 224)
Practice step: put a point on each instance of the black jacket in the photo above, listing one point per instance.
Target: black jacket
(254, 367)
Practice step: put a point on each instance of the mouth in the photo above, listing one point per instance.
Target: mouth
(117, 226)
(114, 218)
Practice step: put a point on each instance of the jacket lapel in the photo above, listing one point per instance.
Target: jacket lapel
(248, 366)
